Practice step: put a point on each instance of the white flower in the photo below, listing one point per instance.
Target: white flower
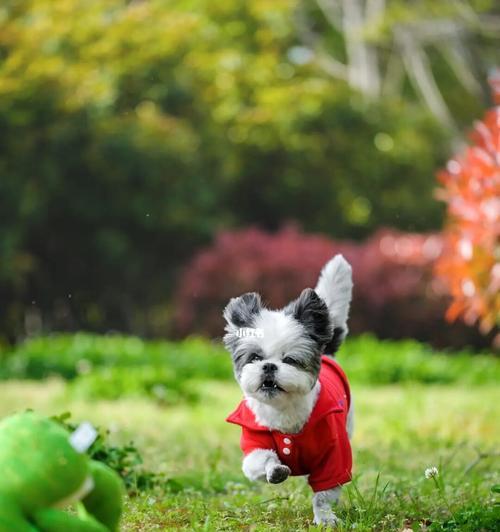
(431, 472)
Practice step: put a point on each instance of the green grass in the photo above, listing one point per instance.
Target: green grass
(401, 429)
(415, 408)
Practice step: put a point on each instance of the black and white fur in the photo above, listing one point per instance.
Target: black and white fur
(278, 368)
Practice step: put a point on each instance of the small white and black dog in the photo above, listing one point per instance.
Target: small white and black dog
(296, 417)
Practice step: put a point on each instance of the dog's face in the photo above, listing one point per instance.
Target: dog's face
(277, 353)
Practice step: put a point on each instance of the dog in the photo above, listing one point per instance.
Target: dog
(297, 414)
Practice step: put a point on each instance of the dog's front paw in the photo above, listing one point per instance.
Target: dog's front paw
(328, 519)
(278, 474)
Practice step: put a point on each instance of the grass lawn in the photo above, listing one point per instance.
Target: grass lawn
(400, 431)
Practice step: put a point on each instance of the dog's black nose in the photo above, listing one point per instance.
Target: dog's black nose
(269, 368)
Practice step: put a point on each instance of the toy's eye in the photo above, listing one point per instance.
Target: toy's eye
(289, 360)
(254, 357)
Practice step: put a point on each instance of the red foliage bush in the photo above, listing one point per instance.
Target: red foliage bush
(394, 293)
(470, 263)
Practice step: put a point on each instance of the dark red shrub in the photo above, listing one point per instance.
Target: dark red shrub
(394, 293)
(276, 265)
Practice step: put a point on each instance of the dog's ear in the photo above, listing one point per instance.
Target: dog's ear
(240, 311)
(310, 310)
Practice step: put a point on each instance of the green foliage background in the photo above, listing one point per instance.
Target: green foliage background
(132, 131)
(113, 367)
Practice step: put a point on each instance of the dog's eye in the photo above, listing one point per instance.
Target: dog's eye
(254, 357)
(290, 360)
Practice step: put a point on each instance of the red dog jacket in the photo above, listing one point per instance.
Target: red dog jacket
(322, 449)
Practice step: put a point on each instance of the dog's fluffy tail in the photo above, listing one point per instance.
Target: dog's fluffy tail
(335, 288)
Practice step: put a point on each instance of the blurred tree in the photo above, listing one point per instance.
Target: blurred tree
(102, 191)
(471, 261)
(133, 131)
(375, 45)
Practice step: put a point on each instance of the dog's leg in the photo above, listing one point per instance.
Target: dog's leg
(322, 507)
(264, 464)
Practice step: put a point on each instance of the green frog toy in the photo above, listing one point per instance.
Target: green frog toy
(44, 468)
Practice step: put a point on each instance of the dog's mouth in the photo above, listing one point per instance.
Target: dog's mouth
(270, 386)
